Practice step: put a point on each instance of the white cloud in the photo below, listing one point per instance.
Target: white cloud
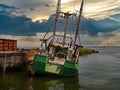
(24, 41)
(107, 38)
(100, 39)
(27, 41)
(109, 41)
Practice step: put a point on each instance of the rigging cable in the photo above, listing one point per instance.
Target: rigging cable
(47, 31)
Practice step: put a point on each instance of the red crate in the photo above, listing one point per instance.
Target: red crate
(8, 45)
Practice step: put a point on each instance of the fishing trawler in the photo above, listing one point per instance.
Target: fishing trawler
(61, 53)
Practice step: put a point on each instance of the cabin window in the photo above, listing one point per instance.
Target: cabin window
(61, 52)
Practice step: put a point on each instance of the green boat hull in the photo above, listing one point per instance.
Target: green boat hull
(42, 64)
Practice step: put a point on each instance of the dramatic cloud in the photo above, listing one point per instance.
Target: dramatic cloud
(15, 25)
(101, 8)
(24, 41)
(92, 9)
(104, 25)
(27, 3)
(33, 8)
(21, 25)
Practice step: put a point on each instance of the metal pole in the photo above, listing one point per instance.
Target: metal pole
(67, 14)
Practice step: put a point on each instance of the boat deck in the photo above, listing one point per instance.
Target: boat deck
(57, 60)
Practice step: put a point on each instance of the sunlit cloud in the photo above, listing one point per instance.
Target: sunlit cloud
(102, 9)
(37, 9)
(109, 41)
(65, 1)
(27, 41)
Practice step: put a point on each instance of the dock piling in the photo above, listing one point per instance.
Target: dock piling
(5, 62)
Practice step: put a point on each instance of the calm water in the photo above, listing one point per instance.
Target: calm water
(100, 71)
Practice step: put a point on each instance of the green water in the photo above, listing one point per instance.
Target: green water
(21, 81)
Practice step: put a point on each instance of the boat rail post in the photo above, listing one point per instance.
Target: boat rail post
(5, 61)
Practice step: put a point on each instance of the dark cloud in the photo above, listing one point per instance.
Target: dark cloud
(47, 5)
(105, 25)
(5, 6)
(15, 25)
(4, 9)
(31, 9)
(21, 25)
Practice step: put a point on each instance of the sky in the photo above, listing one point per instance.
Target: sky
(92, 8)
(101, 22)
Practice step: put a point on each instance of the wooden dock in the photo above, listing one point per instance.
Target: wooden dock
(13, 59)
(10, 59)
(7, 52)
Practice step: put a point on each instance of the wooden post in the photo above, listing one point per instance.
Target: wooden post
(15, 61)
(5, 62)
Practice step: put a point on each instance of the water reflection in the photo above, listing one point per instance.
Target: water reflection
(20, 81)
(54, 85)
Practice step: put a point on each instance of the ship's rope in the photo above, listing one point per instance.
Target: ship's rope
(47, 32)
(48, 29)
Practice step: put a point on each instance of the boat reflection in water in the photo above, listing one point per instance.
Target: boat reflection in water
(20, 81)
(44, 83)
(54, 85)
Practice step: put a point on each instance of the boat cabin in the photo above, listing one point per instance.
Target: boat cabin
(58, 53)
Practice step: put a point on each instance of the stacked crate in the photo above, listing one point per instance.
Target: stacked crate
(1, 44)
(8, 45)
(5, 45)
(14, 45)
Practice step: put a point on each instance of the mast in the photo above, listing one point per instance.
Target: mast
(56, 18)
(78, 21)
(67, 14)
(55, 24)
(66, 24)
